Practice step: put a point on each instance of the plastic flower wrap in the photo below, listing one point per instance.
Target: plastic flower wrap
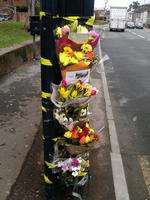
(75, 93)
(82, 29)
(81, 134)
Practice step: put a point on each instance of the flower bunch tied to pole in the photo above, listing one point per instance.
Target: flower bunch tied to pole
(70, 170)
(81, 138)
(75, 93)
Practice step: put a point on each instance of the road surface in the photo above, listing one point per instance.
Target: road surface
(127, 67)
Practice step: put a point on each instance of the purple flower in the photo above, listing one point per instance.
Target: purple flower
(75, 162)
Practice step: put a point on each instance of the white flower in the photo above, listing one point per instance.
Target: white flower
(75, 173)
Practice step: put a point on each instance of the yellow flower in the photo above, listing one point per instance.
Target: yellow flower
(74, 93)
(73, 60)
(87, 139)
(64, 59)
(64, 93)
(81, 173)
(87, 62)
(79, 55)
(67, 49)
(59, 32)
(68, 134)
(86, 48)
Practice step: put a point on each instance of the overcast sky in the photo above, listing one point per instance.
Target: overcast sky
(101, 3)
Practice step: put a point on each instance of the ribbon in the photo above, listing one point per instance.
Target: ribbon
(45, 95)
(46, 62)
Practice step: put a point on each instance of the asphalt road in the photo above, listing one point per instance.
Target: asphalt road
(128, 76)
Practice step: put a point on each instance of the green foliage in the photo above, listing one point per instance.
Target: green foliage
(134, 5)
(12, 33)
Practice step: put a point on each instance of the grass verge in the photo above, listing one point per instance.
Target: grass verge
(12, 33)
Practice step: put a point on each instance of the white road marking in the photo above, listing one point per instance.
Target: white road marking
(136, 34)
(120, 185)
(141, 36)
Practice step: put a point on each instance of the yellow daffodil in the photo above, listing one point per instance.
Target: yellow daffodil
(64, 59)
(86, 48)
(73, 60)
(79, 55)
(64, 93)
(68, 134)
(74, 94)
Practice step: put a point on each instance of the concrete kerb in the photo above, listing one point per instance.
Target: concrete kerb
(120, 185)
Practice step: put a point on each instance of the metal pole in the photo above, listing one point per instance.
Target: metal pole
(50, 73)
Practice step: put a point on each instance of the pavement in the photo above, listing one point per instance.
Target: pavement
(20, 118)
(127, 67)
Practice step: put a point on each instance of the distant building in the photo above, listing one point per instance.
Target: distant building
(100, 14)
(142, 14)
(13, 2)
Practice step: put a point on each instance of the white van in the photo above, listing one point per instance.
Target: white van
(118, 17)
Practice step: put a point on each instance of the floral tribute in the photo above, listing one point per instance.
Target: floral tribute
(81, 134)
(71, 100)
(75, 90)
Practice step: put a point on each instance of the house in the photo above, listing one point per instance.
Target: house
(99, 14)
(13, 2)
(142, 13)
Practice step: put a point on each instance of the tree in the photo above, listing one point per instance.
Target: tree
(134, 5)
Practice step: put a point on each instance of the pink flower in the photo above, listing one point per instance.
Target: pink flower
(94, 91)
(64, 83)
(65, 30)
(94, 33)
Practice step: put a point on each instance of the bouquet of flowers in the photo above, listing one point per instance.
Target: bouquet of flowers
(71, 170)
(75, 93)
(70, 115)
(82, 138)
(81, 134)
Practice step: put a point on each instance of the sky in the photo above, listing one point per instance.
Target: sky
(101, 3)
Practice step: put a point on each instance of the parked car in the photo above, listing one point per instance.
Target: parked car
(130, 25)
(139, 25)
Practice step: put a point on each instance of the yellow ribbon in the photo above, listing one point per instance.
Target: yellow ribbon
(50, 165)
(46, 179)
(42, 14)
(44, 109)
(46, 62)
(45, 95)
